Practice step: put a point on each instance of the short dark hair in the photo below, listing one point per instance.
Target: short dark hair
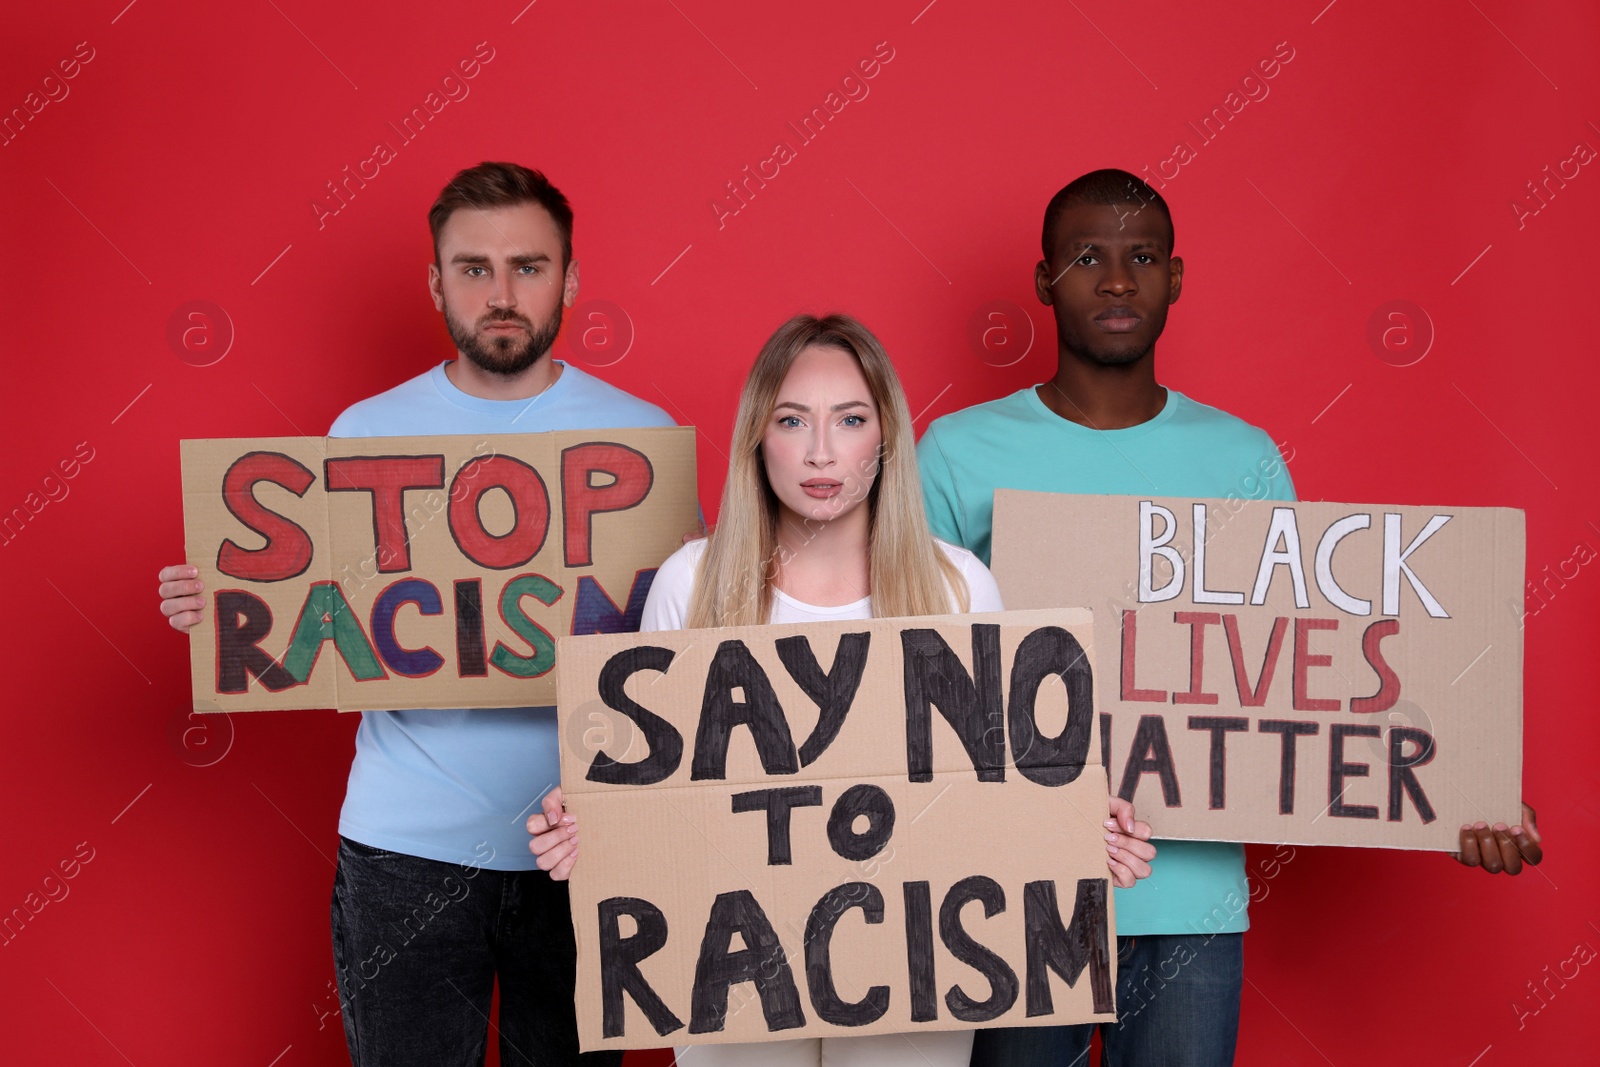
(1109, 187)
(501, 185)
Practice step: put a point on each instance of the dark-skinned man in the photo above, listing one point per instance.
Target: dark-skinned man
(1105, 424)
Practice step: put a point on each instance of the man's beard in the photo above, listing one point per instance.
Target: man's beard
(507, 356)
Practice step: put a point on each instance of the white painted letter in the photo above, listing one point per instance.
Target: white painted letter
(1202, 595)
(1284, 530)
(1325, 579)
(1394, 564)
(1150, 546)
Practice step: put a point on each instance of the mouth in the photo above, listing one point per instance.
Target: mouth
(1118, 319)
(822, 488)
(504, 326)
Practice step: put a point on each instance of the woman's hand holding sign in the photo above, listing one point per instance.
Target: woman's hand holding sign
(1128, 852)
(555, 836)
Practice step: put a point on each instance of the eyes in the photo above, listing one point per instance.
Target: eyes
(850, 420)
(524, 270)
(1089, 259)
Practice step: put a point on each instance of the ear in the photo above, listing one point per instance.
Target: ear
(436, 286)
(1041, 282)
(569, 285)
(1174, 279)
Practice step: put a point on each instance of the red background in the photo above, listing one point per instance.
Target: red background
(182, 166)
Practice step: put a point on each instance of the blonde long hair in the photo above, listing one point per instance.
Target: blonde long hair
(909, 574)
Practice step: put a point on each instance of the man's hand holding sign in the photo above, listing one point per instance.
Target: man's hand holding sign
(1501, 848)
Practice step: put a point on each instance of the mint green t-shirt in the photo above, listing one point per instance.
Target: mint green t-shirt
(1188, 449)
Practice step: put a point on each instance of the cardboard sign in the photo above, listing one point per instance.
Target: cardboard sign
(841, 828)
(1313, 673)
(418, 572)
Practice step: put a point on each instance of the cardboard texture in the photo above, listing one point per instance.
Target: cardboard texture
(831, 873)
(416, 572)
(1318, 673)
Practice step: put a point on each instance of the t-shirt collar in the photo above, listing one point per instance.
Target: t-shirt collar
(508, 409)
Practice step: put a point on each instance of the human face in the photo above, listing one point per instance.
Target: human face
(500, 282)
(822, 439)
(1110, 278)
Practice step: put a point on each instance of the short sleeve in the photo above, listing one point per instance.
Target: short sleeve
(667, 605)
(1275, 473)
(346, 425)
(982, 588)
(938, 489)
(983, 593)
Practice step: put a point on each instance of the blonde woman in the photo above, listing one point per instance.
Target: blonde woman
(822, 519)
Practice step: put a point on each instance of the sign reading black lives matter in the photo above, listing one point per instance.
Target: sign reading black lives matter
(1310, 673)
(840, 828)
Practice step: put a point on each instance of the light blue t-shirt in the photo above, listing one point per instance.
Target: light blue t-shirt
(1188, 449)
(457, 785)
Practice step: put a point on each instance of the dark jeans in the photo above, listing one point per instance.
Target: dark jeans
(418, 945)
(1177, 1006)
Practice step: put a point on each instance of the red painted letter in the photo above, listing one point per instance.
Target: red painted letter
(1130, 636)
(1389, 682)
(581, 499)
(1248, 697)
(1198, 620)
(1304, 660)
(287, 552)
(386, 478)
(530, 504)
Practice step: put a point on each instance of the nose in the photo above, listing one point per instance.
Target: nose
(819, 454)
(504, 295)
(1117, 279)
